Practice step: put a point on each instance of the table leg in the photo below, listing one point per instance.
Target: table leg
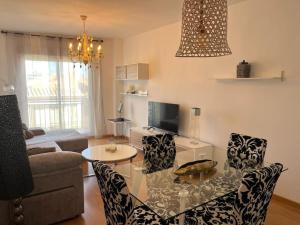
(183, 197)
(130, 171)
(181, 220)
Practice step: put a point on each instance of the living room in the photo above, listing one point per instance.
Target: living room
(68, 103)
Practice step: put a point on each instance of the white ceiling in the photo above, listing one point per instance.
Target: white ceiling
(106, 18)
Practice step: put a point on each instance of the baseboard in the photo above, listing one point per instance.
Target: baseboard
(103, 136)
(287, 201)
(107, 136)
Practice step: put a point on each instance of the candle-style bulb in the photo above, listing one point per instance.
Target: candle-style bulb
(99, 48)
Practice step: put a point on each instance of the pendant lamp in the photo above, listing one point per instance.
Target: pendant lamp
(204, 29)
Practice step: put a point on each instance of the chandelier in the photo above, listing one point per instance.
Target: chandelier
(84, 52)
(204, 29)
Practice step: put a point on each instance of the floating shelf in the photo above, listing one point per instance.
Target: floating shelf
(279, 77)
(139, 95)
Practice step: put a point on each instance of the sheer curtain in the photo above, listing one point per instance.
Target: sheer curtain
(53, 92)
(97, 119)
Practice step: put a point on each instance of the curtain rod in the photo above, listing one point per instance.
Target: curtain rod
(42, 35)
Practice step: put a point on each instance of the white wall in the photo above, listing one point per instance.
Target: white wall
(112, 57)
(267, 34)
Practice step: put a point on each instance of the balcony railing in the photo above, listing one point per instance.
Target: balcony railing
(58, 113)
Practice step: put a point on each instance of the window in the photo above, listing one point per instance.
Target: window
(57, 94)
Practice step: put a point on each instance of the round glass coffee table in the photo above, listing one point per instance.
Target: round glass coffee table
(106, 153)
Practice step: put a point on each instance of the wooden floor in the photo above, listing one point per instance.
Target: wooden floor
(281, 212)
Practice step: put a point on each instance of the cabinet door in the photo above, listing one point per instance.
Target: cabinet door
(132, 72)
(121, 72)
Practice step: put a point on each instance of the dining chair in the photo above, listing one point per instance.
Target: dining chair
(159, 152)
(247, 206)
(245, 151)
(119, 206)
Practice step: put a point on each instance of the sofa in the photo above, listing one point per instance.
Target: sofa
(61, 140)
(57, 176)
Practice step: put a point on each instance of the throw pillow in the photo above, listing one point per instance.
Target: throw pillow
(27, 134)
(24, 126)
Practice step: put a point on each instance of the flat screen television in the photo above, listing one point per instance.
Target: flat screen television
(164, 116)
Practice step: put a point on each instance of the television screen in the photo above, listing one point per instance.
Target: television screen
(164, 116)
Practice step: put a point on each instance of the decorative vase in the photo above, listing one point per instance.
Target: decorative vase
(243, 69)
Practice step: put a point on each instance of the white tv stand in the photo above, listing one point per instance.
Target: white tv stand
(203, 150)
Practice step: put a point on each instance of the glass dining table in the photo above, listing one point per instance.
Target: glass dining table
(169, 195)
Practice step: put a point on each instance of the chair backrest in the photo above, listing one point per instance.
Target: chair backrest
(118, 204)
(255, 192)
(245, 151)
(159, 152)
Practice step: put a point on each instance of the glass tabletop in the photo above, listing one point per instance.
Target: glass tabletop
(169, 195)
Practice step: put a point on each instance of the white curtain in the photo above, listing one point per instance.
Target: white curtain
(15, 69)
(53, 92)
(98, 127)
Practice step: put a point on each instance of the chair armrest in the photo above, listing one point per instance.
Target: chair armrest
(54, 161)
(37, 131)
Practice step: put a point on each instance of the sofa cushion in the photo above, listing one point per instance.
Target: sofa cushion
(74, 145)
(54, 161)
(54, 135)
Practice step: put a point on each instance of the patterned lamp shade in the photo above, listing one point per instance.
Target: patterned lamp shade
(204, 29)
(15, 174)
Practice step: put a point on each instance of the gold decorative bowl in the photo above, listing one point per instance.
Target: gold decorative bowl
(195, 167)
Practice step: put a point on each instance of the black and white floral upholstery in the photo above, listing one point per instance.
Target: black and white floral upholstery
(143, 216)
(247, 206)
(119, 206)
(255, 193)
(159, 152)
(245, 151)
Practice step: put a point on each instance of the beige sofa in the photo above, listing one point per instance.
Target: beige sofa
(65, 140)
(58, 179)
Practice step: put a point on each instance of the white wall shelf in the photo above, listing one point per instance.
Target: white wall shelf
(137, 94)
(133, 72)
(278, 77)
